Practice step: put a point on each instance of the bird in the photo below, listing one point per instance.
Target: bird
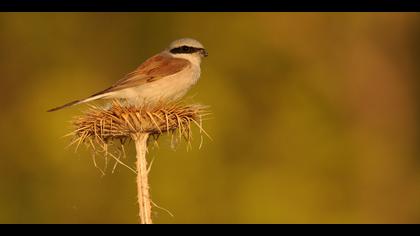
(166, 76)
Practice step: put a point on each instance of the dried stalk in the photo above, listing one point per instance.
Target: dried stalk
(143, 196)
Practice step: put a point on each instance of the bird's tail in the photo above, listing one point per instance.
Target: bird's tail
(77, 102)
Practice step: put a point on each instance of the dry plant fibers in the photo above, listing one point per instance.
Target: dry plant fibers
(101, 127)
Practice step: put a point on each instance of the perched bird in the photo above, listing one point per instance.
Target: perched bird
(166, 76)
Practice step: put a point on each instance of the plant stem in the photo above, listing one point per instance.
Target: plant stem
(145, 208)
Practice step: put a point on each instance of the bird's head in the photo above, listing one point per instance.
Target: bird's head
(187, 48)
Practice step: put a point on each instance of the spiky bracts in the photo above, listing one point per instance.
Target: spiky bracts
(99, 126)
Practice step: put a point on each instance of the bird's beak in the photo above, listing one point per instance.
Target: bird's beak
(203, 52)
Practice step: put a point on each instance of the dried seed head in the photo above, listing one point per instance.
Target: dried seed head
(100, 126)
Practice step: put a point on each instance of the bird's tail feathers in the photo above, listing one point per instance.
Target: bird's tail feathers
(77, 102)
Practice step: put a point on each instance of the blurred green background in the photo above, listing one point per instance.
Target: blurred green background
(315, 118)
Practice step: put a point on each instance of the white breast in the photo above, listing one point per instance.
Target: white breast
(170, 88)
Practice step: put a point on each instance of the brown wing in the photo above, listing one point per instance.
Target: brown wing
(153, 69)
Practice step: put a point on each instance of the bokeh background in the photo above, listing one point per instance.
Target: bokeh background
(315, 118)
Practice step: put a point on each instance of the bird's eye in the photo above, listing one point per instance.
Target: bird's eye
(185, 48)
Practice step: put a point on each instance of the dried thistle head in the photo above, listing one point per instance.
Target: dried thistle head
(99, 127)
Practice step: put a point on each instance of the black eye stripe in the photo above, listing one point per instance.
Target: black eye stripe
(185, 49)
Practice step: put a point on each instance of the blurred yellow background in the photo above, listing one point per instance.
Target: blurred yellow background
(315, 118)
